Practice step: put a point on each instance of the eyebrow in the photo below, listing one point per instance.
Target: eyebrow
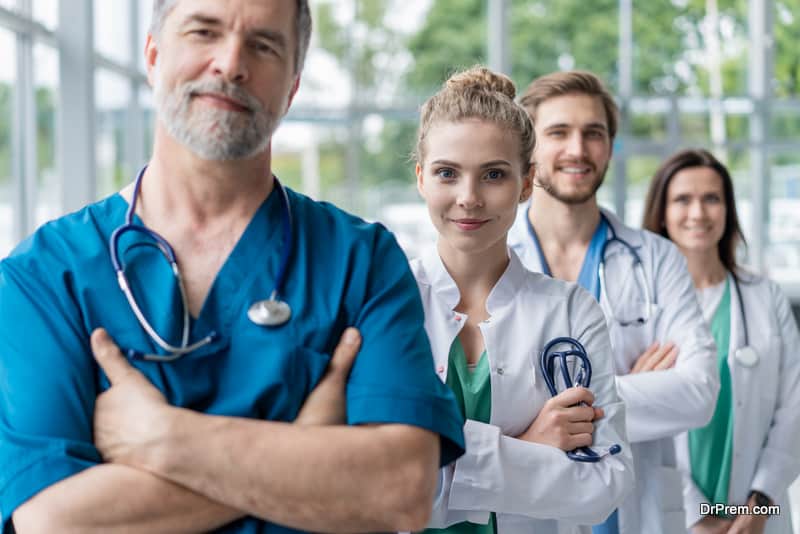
(493, 163)
(276, 37)
(590, 126)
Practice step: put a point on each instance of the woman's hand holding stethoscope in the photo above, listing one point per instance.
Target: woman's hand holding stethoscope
(565, 421)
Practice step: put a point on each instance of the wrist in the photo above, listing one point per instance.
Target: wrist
(758, 498)
(157, 457)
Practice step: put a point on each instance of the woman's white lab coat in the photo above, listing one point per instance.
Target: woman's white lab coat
(528, 485)
(659, 404)
(766, 408)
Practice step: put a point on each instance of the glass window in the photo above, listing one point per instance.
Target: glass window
(145, 16)
(681, 47)
(112, 94)
(311, 158)
(45, 76)
(787, 56)
(785, 123)
(548, 36)
(782, 255)
(7, 76)
(451, 35)
(112, 32)
(146, 105)
(639, 172)
(46, 12)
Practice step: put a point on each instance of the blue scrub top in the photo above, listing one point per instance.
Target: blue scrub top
(589, 276)
(59, 285)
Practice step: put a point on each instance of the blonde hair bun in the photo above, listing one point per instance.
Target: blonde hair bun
(479, 78)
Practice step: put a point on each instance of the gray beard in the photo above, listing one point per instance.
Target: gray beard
(211, 133)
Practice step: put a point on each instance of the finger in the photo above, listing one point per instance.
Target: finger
(580, 428)
(668, 360)
(644, 357)
(654, 359)
(109, 357)
(599, 413)
(345, 353)
(572, 396)
(658, 357)
(579, 440)
(577, 414)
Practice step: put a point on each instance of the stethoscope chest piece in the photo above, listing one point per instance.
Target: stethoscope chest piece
(746, 356)
(270, 312)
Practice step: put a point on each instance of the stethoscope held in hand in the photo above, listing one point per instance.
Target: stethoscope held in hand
(575, 370)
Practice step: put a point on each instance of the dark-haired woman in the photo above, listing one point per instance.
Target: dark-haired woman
(747, 455)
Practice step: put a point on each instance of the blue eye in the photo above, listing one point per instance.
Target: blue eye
(495, 174)
(445, 173)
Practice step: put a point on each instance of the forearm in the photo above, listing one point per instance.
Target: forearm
(113, 498)
(649, 402)
(510, 463)
(324, 479)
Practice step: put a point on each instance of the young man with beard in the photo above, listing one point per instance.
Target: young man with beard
(211, 407)
(664, 355)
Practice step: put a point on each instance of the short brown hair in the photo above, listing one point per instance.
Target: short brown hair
(655, 205)
(570, 82)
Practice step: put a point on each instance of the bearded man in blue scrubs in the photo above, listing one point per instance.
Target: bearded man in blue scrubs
(110, 425)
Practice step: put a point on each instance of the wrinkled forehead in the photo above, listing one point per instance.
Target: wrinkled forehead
(272, 13)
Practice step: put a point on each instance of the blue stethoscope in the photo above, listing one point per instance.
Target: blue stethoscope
(575, 356)
(269, 312)
(638, 270)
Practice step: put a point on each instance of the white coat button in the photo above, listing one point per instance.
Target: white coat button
(500, 371)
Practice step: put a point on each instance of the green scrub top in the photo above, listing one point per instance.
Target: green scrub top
(711, 447)
(473, 391)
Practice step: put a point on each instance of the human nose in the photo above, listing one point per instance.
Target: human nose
(696, 210)
(469, 195)
(575, 145)
(229, 62)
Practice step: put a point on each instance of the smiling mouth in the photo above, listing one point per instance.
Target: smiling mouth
(575, 169)
(470, 224)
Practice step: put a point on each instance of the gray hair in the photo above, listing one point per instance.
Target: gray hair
(302, 27)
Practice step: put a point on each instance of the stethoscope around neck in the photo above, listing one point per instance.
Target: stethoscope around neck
(746, 355)
(638, 272)
(269, 312)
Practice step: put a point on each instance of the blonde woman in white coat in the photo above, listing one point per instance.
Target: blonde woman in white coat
(747, 454)
(488, 320)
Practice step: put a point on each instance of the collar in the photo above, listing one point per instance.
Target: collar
(624, 232)
(503, 292)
